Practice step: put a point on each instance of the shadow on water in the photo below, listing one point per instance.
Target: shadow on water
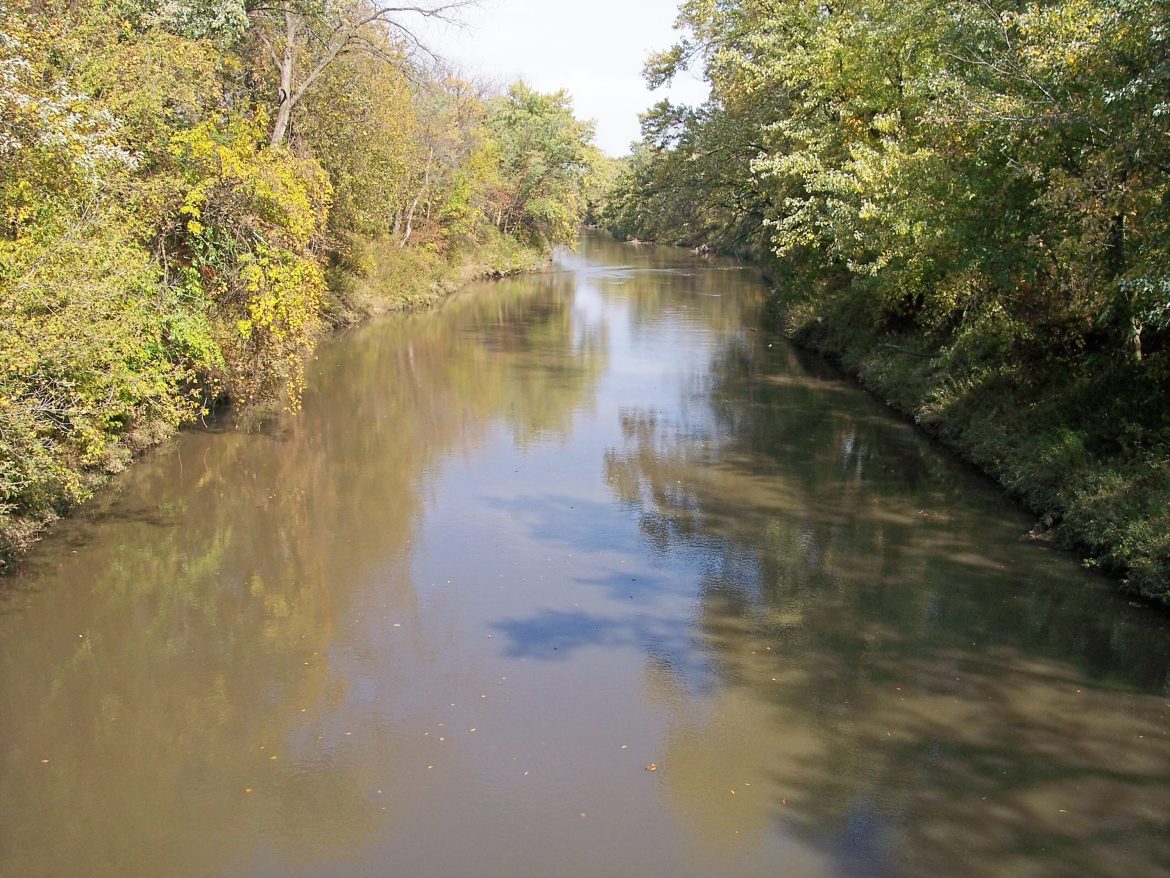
(826, 636)
(176, 659)
(902, 683)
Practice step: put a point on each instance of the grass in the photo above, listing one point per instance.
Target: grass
(412, 278)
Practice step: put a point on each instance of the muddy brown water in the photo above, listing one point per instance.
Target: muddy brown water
(516, 551)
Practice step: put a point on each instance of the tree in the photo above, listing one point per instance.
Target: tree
(986, 180)
(545, 157)
(303, 38)
(362, 123)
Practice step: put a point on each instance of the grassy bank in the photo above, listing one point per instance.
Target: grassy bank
(1085, 449)
(408, 279)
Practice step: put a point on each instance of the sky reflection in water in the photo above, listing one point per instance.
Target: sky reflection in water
(516, 550)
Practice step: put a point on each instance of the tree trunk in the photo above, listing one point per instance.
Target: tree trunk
(283, 116)
(410, 221)
(426, 186)
(287, 63)
(1118, 262)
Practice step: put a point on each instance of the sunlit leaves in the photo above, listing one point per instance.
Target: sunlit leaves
(545, 159)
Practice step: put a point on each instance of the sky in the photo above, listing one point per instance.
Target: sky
(594, 49)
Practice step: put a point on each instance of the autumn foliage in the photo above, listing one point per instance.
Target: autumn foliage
(163, 250)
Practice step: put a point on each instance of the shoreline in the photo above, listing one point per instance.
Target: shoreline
(988, 431)
(19, 535)
(989, 434)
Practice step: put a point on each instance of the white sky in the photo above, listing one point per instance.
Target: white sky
(593, 49)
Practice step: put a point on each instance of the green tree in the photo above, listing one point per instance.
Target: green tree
(544, 156)
(304, 38)
(983, 181)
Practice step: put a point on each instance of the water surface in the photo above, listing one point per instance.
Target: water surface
(516, 551)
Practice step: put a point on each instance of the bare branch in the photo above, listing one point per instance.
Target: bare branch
(329, 36)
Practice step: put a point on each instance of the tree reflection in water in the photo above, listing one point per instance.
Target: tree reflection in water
(192, 664)
(572, 512)
(896, 679)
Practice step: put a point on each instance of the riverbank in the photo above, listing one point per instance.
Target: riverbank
(409, 279)
(172, 237)
(966, 207)
(1073, 446)
(396, 279)
(587, 519)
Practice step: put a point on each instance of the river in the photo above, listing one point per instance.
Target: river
(581, 574)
